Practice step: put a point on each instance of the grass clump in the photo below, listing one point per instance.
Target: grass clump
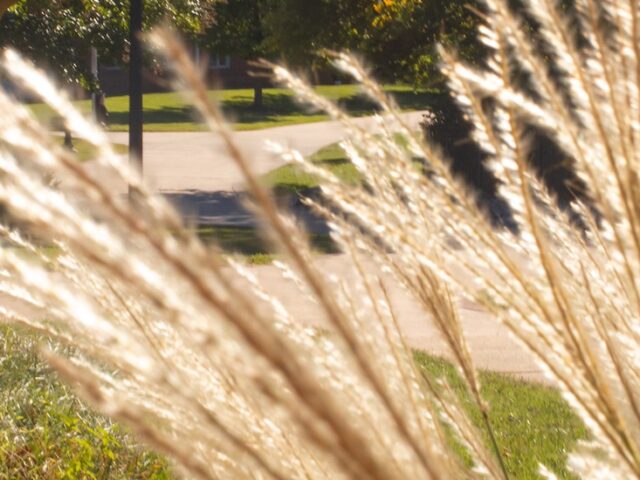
(293, 179)
(46, 432)
(85, 152)
(218, 374)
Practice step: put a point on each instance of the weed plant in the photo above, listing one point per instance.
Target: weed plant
(46, 432)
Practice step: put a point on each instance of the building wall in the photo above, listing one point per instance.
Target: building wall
(225, 72)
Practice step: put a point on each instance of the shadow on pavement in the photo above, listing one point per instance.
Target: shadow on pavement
(232, 209)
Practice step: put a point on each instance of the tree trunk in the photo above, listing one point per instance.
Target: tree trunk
(257, 97)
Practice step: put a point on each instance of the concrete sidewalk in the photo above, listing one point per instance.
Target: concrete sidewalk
(194, 171)
(197, 161)
(491, 344)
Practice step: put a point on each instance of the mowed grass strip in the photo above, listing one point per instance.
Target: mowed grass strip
(292, 179)
(244, 242)
(47, 432)
(532, 423)
(169, 111)
(84, 151)
(251, 245)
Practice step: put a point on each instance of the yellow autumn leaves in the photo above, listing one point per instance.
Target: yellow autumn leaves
(390, 9)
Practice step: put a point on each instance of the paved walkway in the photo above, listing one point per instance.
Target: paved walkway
(197, 161)
(195, 172)
(491, 344)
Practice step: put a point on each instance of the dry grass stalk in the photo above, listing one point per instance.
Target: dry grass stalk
(188, 348)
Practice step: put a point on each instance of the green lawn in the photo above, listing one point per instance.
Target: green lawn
(46, 432)
(84, 151)
(169, 112)
(291, 179)
(533, 424)
(248, 243)
(245, 242)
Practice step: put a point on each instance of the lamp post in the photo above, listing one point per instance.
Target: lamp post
(135, 86)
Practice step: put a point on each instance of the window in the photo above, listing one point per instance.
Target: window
(219, 62)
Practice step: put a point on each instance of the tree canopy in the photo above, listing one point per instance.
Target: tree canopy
(59, 33)
(298, 29)
(403, 40)
(397, 37)
(236, 29)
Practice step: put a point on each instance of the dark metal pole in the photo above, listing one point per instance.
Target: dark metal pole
(94, 79)
(135, 85)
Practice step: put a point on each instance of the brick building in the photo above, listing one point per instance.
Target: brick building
(221, 71)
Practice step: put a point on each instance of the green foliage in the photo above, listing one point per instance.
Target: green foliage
(400, 41)
(397, 38)
(46, 432)
(402, 44)
(298, 29)
(235, 29)
(59, 34)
